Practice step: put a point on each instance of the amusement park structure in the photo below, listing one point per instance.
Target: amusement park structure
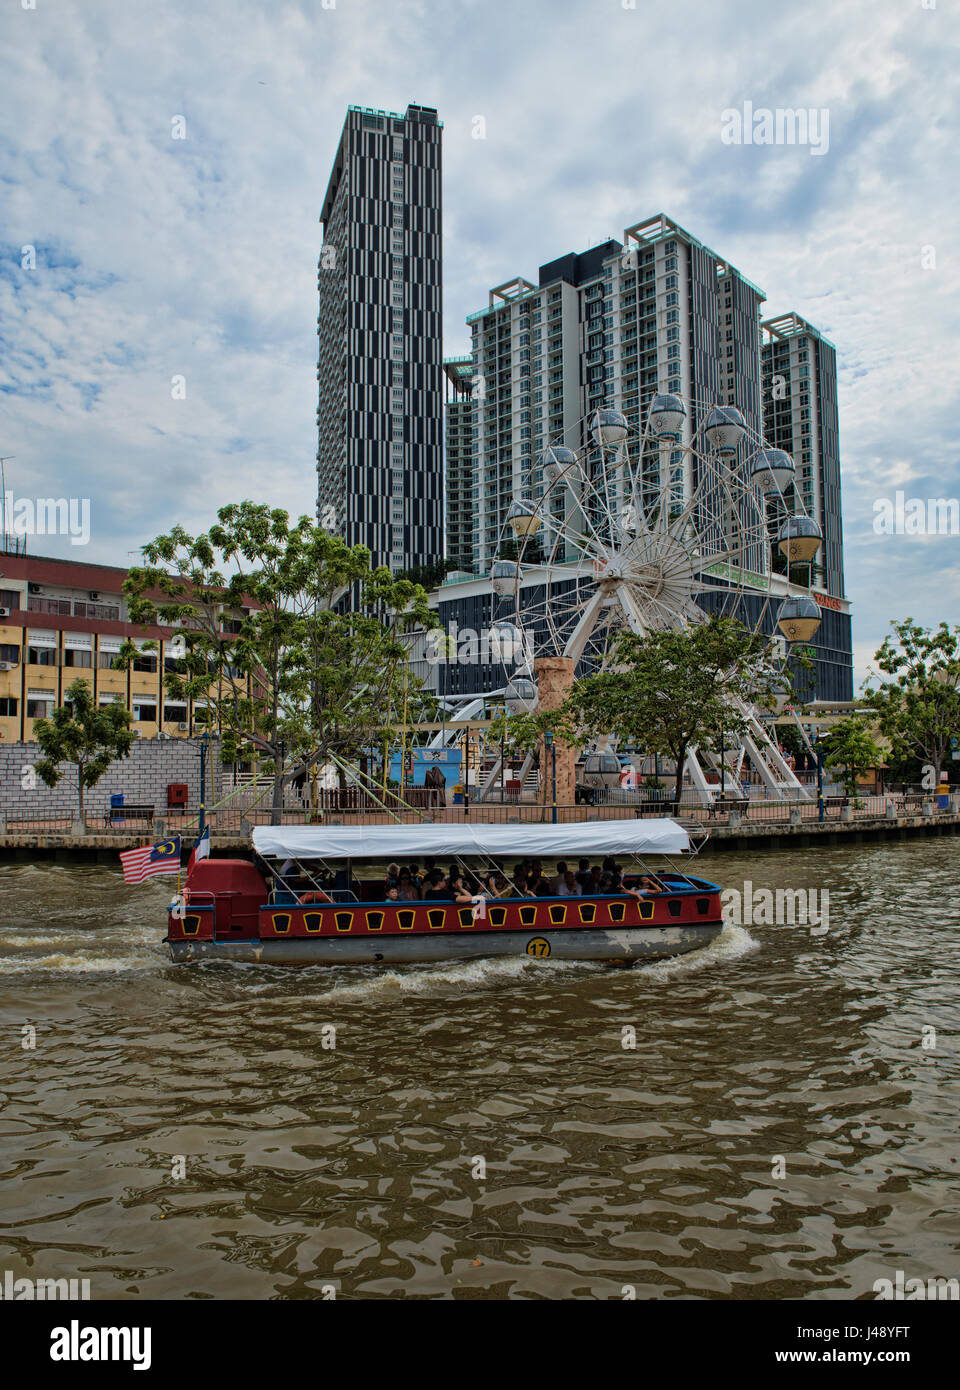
(684, 523)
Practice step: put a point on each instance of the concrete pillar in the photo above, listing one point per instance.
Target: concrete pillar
(554, 675)
(796, 815)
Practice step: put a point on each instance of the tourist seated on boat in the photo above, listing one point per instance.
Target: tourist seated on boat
(459, 889)
(558, 878)
(437, 888)
(596, 874)
(583, 874)
(407, 890)
(647, 885)
(611, 881)
(391, 895)
(496, 885)
(567, 886)
(392, 877)
(540, 887)
(525, 883)
(472, 881)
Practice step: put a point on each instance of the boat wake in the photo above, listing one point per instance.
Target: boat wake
(107, 951)
(732, 943)
(74, 962)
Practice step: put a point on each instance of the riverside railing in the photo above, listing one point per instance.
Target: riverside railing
(233, 822)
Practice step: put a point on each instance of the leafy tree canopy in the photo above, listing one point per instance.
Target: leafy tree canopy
(300, 648)
(918, 706)
(675, 690)
(851, 748)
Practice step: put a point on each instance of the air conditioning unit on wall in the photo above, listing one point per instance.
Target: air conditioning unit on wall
(4, 612)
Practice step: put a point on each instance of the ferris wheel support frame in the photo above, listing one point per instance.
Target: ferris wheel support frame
(777, 779)
(699, 541)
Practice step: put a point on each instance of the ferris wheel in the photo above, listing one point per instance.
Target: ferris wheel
(650, 538)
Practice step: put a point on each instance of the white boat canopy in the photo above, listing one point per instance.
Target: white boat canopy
(418, 842)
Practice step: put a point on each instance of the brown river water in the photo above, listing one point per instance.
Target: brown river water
(784, 1126)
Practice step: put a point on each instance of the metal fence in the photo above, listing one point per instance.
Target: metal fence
(355, 808)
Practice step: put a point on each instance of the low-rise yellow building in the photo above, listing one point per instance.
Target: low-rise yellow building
(64, 619)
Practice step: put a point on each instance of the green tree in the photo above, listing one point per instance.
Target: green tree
(918, 709)
(790, 739)
(529, 732)
(851, 747)
(672, 691)
(293, 669)
(429, 576)
(524, 733)
(81, 733)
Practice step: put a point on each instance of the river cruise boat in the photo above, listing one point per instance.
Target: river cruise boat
(338, 895)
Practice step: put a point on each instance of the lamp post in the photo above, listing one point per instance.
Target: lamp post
(552, 749)
(466, 772)
(819, 751)
(503, 767)
(204, 745)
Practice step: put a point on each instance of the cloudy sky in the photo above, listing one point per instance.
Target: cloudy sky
(159, 257)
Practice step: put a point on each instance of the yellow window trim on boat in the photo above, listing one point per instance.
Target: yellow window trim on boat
(344, 921)
(465, 914)
(528, 916)
(588, 912)
(280, 921)
(646, 910)
(497, 915)
(405, 918)
(313, 921)
(191, 925)
(437, 918)
(374, 921)
(558, 914)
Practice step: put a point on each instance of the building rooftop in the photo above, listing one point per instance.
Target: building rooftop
(660, 226)
(426, 114)
(577, 267)
(791, 326)
(458, 369)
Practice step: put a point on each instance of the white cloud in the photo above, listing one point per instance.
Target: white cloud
(159, 257)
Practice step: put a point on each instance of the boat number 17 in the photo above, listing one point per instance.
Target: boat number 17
(538, 946)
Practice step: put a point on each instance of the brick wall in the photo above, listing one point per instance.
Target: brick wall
(143, 779)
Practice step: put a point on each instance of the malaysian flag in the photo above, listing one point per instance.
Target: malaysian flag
(163, 858)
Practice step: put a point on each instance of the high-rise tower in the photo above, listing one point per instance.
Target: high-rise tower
(800, 415)
(380, 396)
(611, 326)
